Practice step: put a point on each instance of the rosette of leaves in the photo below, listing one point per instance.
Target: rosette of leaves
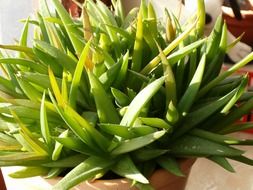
(115, 93)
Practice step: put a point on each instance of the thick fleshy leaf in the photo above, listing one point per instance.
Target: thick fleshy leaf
(58, 146)
(170, 83)
(199, 115)
(104, 16)
(155, 122)
(25, 112)
(86, 24)
(78, 74)
(108, 77)
(69, 26)
(184, 51)
(201, 18)
(24, 36)
(189, 96)
(172, 115)
(235, 42)
(242, 159)
(117, 130)
(67, 162)
(5, 138)
(39, 79)
(145, 154)
(7, 86)
(119, 11)
(123, 71)
(76, 145)
(30, 91)
(20, 158)
(55, 87)
(125, 167)
(215, 64)
(214, 39)
(140, 101)
(221, 139)
(26, 138)
(225, 74)
(171, 165)
(73, 124)
(65, 86)
(25, 62)
(48, 60)
(54, 172)
(42, 25)
(84, 171)
(123, 33)
(45, 130)
(101, 141)
(136, 143)
(29, 172)
(152, 64)
(195, 146)
(60, 57)
(28, 51)
(222, 162)
(106, 111)
(241, 89)
(142, 130)
(236, 127)
(235, 115)
(138, 44)
(121, 98)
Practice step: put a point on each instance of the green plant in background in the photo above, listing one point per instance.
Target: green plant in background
(123, 94)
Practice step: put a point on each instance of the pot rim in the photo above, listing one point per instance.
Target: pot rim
(228, 11)
(185, 164)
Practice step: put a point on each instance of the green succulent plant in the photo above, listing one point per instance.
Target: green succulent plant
(109, 93)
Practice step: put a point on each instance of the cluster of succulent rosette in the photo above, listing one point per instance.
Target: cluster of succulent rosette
(115, 93)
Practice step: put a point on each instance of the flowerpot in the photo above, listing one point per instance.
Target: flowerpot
(2, 183)
(237, 27)
(160, 180)
(74, 10)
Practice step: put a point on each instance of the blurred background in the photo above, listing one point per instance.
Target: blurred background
(11, 12)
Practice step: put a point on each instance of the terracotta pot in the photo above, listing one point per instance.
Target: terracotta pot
(160, 180)
(237, 27)
(74, 10)
(2, 183)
